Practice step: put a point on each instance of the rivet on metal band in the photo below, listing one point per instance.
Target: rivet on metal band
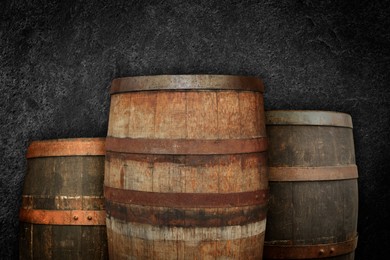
(273, 251)
(63, 217)
(313, 173)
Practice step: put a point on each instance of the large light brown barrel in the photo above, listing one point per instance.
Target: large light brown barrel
(313, 185)
(62, 214)
(185, 173)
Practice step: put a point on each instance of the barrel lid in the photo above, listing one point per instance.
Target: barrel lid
(308, 117)
(186, 82)
(66, 147)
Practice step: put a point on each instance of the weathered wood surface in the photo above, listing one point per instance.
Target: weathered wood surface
(187, 114)
(312, 211)
(140, 241)
(205, 226)
(310, 146)
(58, 184)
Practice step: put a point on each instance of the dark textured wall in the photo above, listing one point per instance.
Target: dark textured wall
(57, 59)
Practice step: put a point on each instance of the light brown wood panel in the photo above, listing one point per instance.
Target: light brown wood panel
(228, 115)
(251, 114)
(119, 115)
(142, 114)
(148, 242)
(199, 174)
(192, 115)
(202, 115)
(171, 115)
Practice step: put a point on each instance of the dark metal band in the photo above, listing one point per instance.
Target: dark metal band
(186, 217)
(66, 147)
(187, 160)
(63, 217)
(313, 173)
(308, 117)
(309, 251)
(186, 146)
(186, 82)
(185, 200)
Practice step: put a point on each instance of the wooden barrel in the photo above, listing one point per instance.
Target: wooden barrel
(185, 174)
(62, 214)
(313, 204)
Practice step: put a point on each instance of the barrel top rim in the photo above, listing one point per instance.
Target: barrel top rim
(186, 82)
(308, 117)
(66, 147)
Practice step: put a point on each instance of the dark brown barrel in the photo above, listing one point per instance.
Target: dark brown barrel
(313, 204)
(185, 170)
(62, 214)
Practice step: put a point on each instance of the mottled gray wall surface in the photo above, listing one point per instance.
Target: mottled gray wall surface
(57, 59)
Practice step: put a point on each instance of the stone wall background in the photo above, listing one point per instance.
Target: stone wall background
(57, 59)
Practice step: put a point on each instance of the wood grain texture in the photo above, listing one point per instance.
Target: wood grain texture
(310, 146)
(62, 242)
(142, 241)
(188, 216)
(308, 117)
(66, 147)
(313, 173)
(311, 212)
(179, 154)
(190, 115)
(61, 184)
(188, 173)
